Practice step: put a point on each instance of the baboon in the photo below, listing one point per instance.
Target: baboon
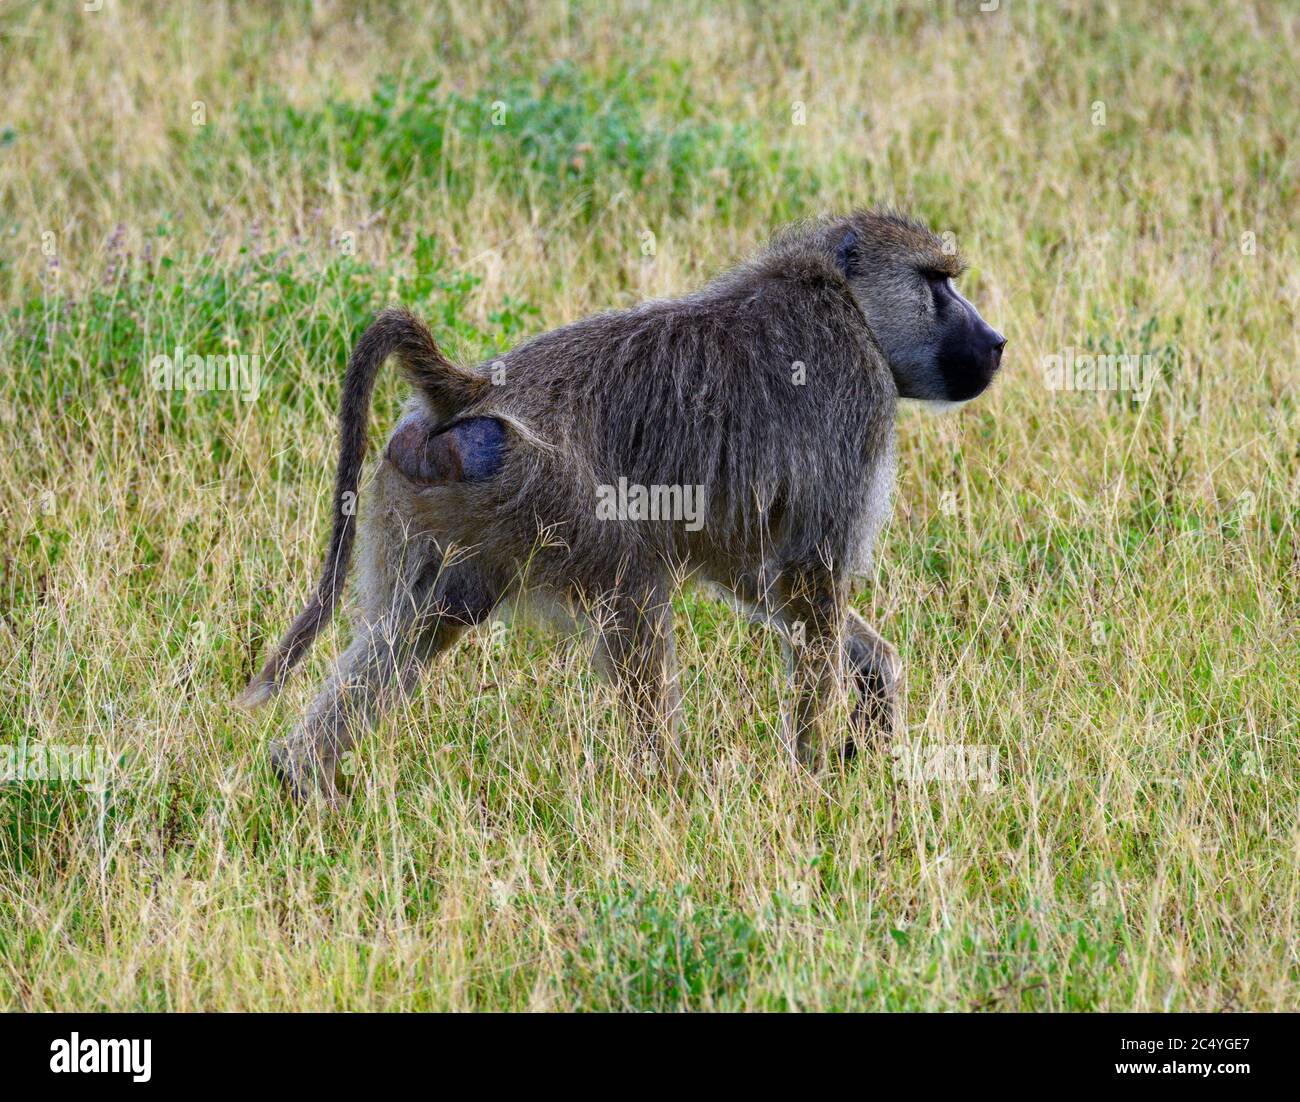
(772, 392)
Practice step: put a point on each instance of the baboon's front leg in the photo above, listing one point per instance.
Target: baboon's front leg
(878, 673)
(872, 663)
(638, 652)
(813, 612)
(383, 662)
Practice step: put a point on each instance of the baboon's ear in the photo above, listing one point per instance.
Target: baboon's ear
(846, 255)
(471, 450)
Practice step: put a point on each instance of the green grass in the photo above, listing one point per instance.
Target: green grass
(562, 139)
(1097, 594)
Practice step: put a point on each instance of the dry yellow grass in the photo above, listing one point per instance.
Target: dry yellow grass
(1095, 597)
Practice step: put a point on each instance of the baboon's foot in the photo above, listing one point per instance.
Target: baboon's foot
(803, 752)
(306, 777)
(655, 762)
(878, 678)
(871, 729)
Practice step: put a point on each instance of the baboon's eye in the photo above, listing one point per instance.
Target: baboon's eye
(937, 283)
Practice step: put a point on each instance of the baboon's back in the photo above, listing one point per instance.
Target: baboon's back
(766, 390)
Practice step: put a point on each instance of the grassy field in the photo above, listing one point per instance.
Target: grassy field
(1094, 802)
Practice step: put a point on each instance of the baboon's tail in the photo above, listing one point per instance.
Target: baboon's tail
(450, 388)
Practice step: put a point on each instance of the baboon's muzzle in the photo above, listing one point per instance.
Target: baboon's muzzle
(970, 355)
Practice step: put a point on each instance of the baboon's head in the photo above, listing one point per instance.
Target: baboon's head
(937, 345)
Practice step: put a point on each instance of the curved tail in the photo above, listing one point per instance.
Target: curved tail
(449, 388)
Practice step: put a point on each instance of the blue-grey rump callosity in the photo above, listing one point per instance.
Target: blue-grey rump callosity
(465, 451)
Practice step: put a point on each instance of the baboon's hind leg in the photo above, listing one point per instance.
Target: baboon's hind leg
(637, 651)
(384, 661)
